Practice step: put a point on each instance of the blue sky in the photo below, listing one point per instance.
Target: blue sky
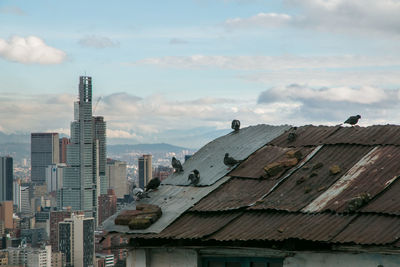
(170, 69)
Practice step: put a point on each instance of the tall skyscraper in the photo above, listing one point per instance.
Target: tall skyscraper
(145, 170)
(116, 173)
(6, 178)
(85, 156)
(63, 142)
(44, 152)
(76, 240)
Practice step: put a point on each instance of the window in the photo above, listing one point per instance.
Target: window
(241, 262)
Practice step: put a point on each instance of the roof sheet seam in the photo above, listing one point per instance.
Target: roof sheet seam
(344, 227)
(304, 161)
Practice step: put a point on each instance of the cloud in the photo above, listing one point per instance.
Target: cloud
(14, 10)
(356, 16)
(99, 42)
(270, 62)
(177, 41)
(30, 50)
(306, 105)
(266, 20)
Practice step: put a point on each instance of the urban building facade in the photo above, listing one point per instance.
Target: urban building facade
(63, 142)
(117, 176)
(76, 241)
(44, 152)
(6, 214)
(145, 170)
(54, 177)
(6, 178)
(85, 156)
(107, 205)
(55, 218)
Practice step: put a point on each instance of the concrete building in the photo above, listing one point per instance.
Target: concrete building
(39, 257)
(81, 181)
(17, 193)
(99, 135)
(76, 241)
(63, 142)
(3, 258)
(57, 259)
(6, 214)
(116, 172)
(55, 218)
(145, 170)
(107, 205)
(44, 152)
(25, 205)
(6, 178)
(54, 177)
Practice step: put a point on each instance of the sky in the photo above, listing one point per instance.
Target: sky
(176, 71)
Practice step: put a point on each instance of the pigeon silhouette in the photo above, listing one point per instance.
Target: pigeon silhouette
(176, 164)
(352, 120)
(194, 177)
(153, 184)
(235, 125)
(229, 161)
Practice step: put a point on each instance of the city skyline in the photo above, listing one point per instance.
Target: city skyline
(168, 70)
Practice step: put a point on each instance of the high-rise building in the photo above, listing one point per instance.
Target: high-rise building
(100, 135)
(107, 205)
(17, 193)
(44, 152)
(6, 178)
(116, 173)
(145, 170)
(54, 177)
(25, 205)
(63, 142)
(55, 218)
(6, 214)
(76, 241)
(85, 156)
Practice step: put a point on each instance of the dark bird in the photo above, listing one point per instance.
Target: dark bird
(229, 161)
(153, 184)
(176, 164)
(292, 135)
(353, 120)
(194, 177)
(235, 125)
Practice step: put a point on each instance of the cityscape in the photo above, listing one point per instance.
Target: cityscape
(53, 204)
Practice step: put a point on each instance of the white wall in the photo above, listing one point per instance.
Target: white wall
(169, 257)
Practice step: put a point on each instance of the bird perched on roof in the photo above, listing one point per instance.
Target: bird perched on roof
(153, 184)
(138, 193)
(176, 164)
(352, 120)
(292, 134)
(194, 177)
(230, 161)
(235, 125)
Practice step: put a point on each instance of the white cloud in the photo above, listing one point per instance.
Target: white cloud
(270, 62)
(14, 10)
(99, 42)
(265, 20)
(30, 50)
(356, 16)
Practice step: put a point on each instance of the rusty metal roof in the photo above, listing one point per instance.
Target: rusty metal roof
(278, 226)
(387, 201)
(368, 177)
(308, 135)
(234, 194)
(209, 159)
(371, 229)
(195, 225)
(310, 181)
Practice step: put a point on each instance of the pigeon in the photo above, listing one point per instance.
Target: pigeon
(353, 120)
(194, 177)
(229, 161)
(176, 164)
(235, 125)
(138, 194)
(292, 135)
(153, 184)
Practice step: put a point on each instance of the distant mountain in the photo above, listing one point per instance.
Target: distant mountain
(14, 138)
(149, 148)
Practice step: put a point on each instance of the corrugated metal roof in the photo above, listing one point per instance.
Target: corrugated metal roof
(209, 159)
(253, 167)
(308, 135)
(371, 229)
(387, 202)
(234, 194)
(306, 184)
(371, 135)
(372, 174)
(195, 225)
(173, 200)
(278, 226)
